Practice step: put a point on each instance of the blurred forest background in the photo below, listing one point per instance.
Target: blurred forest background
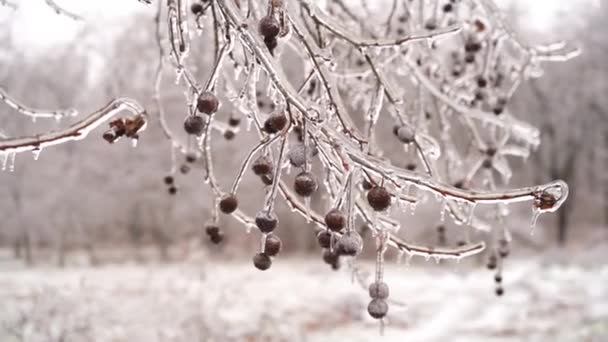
(91, 196)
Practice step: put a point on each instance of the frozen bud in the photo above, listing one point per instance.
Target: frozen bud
(335, 220)
(324, 239)
(266, 222)
(406, 134)
(305, 184)
(378, 290)
(273, 245)
(262, 261)
(275, 123)
(269, 27)
(262, 166)
(207, 103)
(194, 125)
(377, 308)
(228, 204)
(379, 198)
(349, 244)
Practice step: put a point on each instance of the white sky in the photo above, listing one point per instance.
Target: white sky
(35, 25)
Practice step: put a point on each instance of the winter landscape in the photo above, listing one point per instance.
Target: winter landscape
(296, 170)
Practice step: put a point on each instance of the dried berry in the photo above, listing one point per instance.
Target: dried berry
(377, 308)
(487, 163)
(335, 220)
(271, 43)
(229, 134)
(234, 122)
(262, 165)
(269, 27)
(305, 184)
(184, 169)
(207, 103)
(482, 82)
(410, 167)
(500, 291)
(297, 155)
(272, 245)
(196, 8)
(212, 229)
(266, 222)
(330, 257)
(498, 110)
(447, 8)
(406, 134)
(217, 238)
(275, 123)
(168, 180)
(262, 261)
(228, 204)
(378, 290)
(498, 278)
(431, 24)
(492, 262)
(191, 157)
(324, 239)
(109, 136)
(349, 244)
(267, 179)
(194, 124)
(172, 190)
(379, 198)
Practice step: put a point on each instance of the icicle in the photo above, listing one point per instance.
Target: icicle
(413, 208)
(4, 161)
(443, 209)
(307, 209)
(249, 226)
(437, 258)
(36, 153)
(535, 215)
(11, 164)
(263, 242)
(408, 259)
(134, 142)
(471, 211)
(400, 257)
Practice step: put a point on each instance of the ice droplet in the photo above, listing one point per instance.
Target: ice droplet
(11, 164)
(443, 209)
(134, 142)
(4, 161)
(307, 209)
(263, 242)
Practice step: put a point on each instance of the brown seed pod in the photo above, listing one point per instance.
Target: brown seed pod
(379, 198)
(262, 166)
(269, 27)
(228, 204)
(377, 308)
(324, 239)
(305, 184)
(262, 261)
(273, 245)
(266, 222)
(275, 123)
(207, 103)
(194, 125)
(335, 220)
(378, 290)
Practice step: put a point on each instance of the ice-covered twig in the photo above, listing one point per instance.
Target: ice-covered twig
(61, 11)
(80, 129)
(34, 113)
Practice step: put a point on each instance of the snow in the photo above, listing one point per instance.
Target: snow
(545, 299)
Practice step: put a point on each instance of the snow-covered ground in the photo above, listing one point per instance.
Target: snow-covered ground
(546, 299)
